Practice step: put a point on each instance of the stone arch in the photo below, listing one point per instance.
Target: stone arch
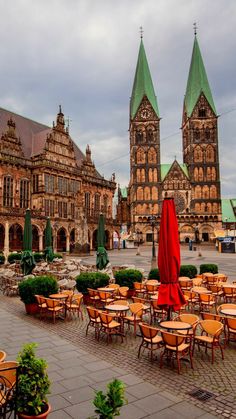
(61, 239)
(15, 237)
(147, 193)
(2, 236)
(198, 192)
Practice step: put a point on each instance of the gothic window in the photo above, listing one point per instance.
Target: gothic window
(202, 207)
(195, 174)
(60, 209)
(209, 207)
(62, 185)
(65, 209)
(87, 202)
(142, 175)
(72, 210)
(140, 156)
(140, 194)
(138, 175)
(213, 192)
(202, 113)
(207, 134)
(8, 191)
(198, 192)
(35, 183)
(105, 204)
(210, 154)
(97, 203)
(215, 207)
(197, 207)
(24, 193)
(155, 175)
(146, 193)
(149, 135)
(49, 208)
(150, 175)
(213, 173)
(154, 193)
(208, 174)
(200, 174)
(138, 137)
(205, 192)
(49, 183)
(74, 186)
(198, 154)
(196, 135)
(151, 155)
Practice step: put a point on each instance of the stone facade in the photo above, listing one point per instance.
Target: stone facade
(43, 169)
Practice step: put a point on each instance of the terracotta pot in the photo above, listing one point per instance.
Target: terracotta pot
(31, 308)
(40, 416)
(86, 299)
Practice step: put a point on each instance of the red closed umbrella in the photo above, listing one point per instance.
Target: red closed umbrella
(170, 294)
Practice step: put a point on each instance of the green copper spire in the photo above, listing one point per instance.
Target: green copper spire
(197, 81)
(142, 84)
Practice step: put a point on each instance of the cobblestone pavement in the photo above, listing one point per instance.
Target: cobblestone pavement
(219, 378)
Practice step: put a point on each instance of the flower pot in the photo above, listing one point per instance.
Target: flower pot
(31, 308)
(40, 416)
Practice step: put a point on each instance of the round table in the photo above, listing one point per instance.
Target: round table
(201, 290)
(121, 310)
(104, 289)
(175, 325)
(228, 312)
(59, 296)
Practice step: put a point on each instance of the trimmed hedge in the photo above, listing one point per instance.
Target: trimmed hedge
(40, 285)
(91, 280)
(12, 257)
(2, 259)
(38, 257)
(154, 274)
(209, 267)
(126, 277)
(188, 270)
(57, 256)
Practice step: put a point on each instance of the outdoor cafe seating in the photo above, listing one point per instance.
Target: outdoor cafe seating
(151, 339)
(209, 337)
(8, 384)
(175, 346)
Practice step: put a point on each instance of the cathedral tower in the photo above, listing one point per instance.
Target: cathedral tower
(144, 145)
(200, 143)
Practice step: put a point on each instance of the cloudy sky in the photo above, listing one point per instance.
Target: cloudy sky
(82, 54)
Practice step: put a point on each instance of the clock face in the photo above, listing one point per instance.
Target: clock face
(145, 113)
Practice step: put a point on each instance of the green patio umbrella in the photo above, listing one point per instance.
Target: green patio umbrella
(102, 257)
(27, 258)
(48, 252)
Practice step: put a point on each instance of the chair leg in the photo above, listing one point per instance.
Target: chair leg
(140, 349)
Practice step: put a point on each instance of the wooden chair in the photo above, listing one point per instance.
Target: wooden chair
(151, 290)
(157, 312)
(41, 301)
(94, 320)
(226, 305)
(146, 304)
(2, 356)
(54, 307)
(185, 283)
(210, 336)
(207, 301)
(122, 293)
(139, 289)
(150, 339)
(93, 296)
(105, 297)
(229, 294)
(192, 319)
(175, 345)
(73, 305)
(136, 315)
(217, 291)
(115, 287)
(109, 326)
(192, 299)
(231, 329)
(8, 384)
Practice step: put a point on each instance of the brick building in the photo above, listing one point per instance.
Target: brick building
(43, 169)
(195, 183)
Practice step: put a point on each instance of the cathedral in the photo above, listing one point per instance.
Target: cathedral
(194, 183)
(43, 169)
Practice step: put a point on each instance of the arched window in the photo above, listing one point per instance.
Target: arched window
(213, 192)
(205, 192)
(151, 155)
(198, 154)
(207, 134)
(200, 174)
(197, 135)
(138, 175)
(142, 175)
(213, 173)
(149, 134)
(97, 204)
(146, 193)
(139, 136)
(202, 113)
(8, 191)
(198, 192)
(140, 156)
(87, 202)
(208, 174)
(195, 174)
(105, 204)
(140, 194)
(210, 155)
(24, 193)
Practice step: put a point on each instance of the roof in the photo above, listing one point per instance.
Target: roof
(165, 168)
(228, 214)
(197, 81)
(143, 85)
(32, 134)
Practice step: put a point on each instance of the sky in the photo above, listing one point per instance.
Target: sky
(82, 54)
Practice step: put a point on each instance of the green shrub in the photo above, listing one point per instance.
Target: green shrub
(39, 285)
(209, 267)
(91, 280)
(2, 259)
(188, 270)
(154, 274)
(38, 257)
(108, 405)
(57, 256)
(12, 257)
(126, 277)
(33, 382)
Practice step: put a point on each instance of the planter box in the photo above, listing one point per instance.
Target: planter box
(32, 308)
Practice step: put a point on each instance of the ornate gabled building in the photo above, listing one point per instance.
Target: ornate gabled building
(195, 183)
(43, 169)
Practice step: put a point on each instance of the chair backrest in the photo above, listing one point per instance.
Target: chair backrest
(92, 292)
(172, 339)
(188, 318)
(77, 299)
(231, 323)
(140, 300)
(229, 291)
(210, 316)
(123, 291)
(148, 331)
(8, 371)
(68, 292)
(138, 286)
(106, 318)
(212, 327)
(104, 295)
(136, 309)
(197, 282)
(226, 305)
(51, 303)
(2, 356)
(152, 282)
(93, 313)
(115, 286)
(214, 288)
(206, 298)
(151, 287)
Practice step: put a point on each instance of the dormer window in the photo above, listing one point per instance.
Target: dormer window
(202, 113)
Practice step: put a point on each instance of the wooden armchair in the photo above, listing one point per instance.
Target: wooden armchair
(109, 326)
(93, 296)
(2, 356)
(175, 345)
(8, 384)
(139, 289)
(94, 320)
(207, 301)
(122, 293)
(73, 305)
(135, 317)
(231, 329)
(150, 339)
(54, 307)
(41, 301)
(209, 337)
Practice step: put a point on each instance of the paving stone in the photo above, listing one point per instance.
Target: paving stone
(58, 402)
(72, 372)
(76, 382)
(130, 411)
(142, 389)
(59, 414)
(183, 409)
(131, 379)
(153, 403)
(166, 414)
(81, 411)
(98, 365)
(79, 395)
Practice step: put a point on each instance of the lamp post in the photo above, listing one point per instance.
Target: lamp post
(153, 221)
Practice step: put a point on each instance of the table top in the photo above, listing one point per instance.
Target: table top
(106, 289)
(228, 285)
(185, 279)
(201, 290)
(175, 325)
(117, 307)
(228, 311)
(58, 296)
(152, 282)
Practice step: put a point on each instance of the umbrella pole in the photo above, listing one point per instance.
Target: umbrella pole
(169, 313)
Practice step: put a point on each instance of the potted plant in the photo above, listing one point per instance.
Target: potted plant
(108, 405)
(33, 385)
(90, 280)
(39, 285)
(209, 267)
(127, 277)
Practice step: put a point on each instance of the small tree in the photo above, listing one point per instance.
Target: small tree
(108, 405)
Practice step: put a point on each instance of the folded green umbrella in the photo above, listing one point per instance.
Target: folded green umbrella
(27, 258)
